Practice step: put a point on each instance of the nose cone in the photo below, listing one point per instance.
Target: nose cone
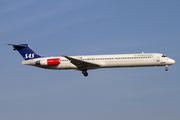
(170, 61)
(173, 61)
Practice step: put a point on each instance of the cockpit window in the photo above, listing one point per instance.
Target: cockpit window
(164, 55)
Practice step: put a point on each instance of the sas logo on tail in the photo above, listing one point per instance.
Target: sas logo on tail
(29, 56)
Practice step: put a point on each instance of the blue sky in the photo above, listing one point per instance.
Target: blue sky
(77, 27)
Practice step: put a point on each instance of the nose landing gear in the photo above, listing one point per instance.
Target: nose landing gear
(166, 68)
(84, 72)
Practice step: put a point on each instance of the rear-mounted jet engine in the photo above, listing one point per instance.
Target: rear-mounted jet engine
(49, 62)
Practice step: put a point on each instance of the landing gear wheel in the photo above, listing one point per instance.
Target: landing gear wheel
(85, 73)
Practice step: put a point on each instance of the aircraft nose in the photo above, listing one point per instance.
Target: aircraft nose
(173, 61)
(170, 61)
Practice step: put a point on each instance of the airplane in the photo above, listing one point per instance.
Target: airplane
(90, 62)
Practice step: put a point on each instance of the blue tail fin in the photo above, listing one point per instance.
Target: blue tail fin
(25, 51)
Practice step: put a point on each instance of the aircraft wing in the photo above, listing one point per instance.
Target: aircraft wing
(82, 64)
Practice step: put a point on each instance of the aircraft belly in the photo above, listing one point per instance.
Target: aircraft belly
(67, 66)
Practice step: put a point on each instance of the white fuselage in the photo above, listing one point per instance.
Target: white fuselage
(108, 61)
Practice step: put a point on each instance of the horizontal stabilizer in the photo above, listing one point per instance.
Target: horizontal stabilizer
(23, 46)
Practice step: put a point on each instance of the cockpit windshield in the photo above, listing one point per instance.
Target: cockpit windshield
(164, 55)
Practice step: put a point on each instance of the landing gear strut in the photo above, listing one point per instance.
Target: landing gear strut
(85, 73)
(166, 68)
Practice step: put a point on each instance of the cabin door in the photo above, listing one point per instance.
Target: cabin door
(158, 59)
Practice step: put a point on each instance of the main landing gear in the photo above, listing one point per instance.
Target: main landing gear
(84, 72)
(166, 68)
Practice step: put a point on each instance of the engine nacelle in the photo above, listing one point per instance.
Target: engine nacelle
(50, 62)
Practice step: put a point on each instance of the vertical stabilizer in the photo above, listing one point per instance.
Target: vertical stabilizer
(25, 51)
